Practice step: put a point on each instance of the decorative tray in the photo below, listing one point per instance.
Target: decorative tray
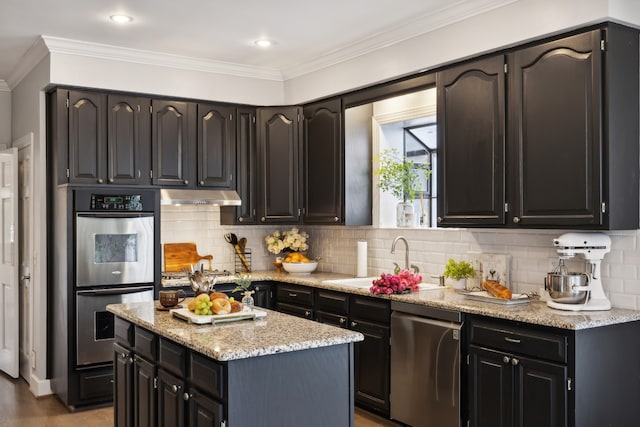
(485, 296)
(191, 317)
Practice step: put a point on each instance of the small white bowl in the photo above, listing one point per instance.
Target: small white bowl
(300, 268)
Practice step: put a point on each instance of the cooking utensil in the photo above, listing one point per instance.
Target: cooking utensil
(569, 288)
(179, 255)
(233, 240)
(242, 243)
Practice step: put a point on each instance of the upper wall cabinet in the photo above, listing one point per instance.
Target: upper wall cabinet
(173, 139)
(216, 145)
(322, 167)
(100, 138)
(571, 142)
(471, 117)
(279, 134)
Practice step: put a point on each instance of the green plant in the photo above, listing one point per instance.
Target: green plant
(399, 175)
(458, 270)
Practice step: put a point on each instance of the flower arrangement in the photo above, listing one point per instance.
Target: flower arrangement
(401, 282)
(293, 240)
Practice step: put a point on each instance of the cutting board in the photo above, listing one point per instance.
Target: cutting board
(178, 255)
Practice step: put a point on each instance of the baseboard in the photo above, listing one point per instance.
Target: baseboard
(39, 387)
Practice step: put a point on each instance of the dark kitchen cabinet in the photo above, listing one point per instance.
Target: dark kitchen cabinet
(144, 393)
(571, 152)
(471, 143)
(371, 317)
(100, 138)
(123, 386)
(171, 405)
(323, 163)
(279, 133)
(246, 183)
(173, 137)
(295, 300)
(216, 145)
(332, 308)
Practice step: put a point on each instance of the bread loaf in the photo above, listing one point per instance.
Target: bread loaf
(496, 289)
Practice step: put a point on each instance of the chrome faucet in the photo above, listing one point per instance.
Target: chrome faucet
(406, 253)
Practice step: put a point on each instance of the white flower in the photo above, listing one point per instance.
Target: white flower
(294, 240)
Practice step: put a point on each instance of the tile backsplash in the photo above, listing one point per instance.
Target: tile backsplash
(531, 252)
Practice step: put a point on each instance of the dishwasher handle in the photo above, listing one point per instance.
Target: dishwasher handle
(400, 316)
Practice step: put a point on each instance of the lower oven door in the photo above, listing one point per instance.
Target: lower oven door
(95, 325)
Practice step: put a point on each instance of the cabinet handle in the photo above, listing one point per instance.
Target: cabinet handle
(240, 219)
(439, 219)
(516, 220)
(354, 324)
(111, 180)
(342, 320)
(512, 340)
(130, 360)
(506, 359)
(336, 219)
(263, 219)
(293, 295)
(201, 182)
(175, 388)
(307, 313)
(100, 181)
(186, 182)
(514, 361)
(187, 396)
(123, 355)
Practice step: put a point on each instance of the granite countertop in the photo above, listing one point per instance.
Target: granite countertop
(536, 312)
(275, 333)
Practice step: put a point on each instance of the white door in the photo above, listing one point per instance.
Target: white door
(9, 265)
(25, 213)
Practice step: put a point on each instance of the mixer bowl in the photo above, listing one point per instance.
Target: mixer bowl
(562, 287)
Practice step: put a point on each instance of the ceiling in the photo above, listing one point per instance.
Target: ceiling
(306, 35)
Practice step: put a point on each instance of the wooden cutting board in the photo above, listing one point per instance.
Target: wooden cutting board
(178, 255)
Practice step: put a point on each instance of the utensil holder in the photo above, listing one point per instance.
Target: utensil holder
(240, 267)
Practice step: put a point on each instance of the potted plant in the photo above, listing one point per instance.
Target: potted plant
(459, 272)
(401, 177)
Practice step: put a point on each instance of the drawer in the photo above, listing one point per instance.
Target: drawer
(299, 295)
(96, 385)
(338, 320)
(208, 376)
(295, 310)
(173, 357)
(520, 340)
(123, 332)
(146, 343)
(369, 309)
(332, 302)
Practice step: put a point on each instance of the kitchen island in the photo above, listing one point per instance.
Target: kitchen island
(279, 370)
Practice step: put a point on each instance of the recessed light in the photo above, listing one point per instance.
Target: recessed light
(263, 43)
(121, 19)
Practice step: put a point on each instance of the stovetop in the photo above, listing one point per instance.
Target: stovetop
(181, 278)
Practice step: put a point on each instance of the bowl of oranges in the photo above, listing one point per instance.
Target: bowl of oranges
(297, 263)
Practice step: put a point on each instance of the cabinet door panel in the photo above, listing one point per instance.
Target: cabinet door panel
(171, 411)
(540, 394)
(204, 412)
(471, 143)
(489, 389)
(173, 143)
(144, 395)
(323, 163)
(372, 355)
(556, 101)
(128, 140)
(123, 380)
(215, 146)
(87, 161)
(278, 139)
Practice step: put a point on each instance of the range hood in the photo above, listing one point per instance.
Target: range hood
(199, 197)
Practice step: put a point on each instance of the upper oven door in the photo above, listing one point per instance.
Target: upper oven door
(114, 249)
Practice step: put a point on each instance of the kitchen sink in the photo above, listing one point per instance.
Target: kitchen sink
(365, 283)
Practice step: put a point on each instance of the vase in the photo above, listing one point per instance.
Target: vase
(405, 215)
(459, 283)
(247, 300)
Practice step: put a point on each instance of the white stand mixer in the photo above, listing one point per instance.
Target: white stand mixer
(593, 247)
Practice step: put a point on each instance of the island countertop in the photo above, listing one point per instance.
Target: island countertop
(536, 312)
(275, 333)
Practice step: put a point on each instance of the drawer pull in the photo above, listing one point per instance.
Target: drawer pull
(512, 340)
(342, 320)
(506, 359)
(175, 388)
(354, 324)
(293, 295)
(307, 313)
(514, 361)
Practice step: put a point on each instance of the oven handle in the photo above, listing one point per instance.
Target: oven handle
(116, 291)
(132, 214)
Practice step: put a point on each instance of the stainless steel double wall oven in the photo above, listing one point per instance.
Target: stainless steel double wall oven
(114, 244)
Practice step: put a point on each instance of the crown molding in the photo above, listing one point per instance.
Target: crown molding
(138, 56)
(36, 53)
(4, 87)
(421, 24)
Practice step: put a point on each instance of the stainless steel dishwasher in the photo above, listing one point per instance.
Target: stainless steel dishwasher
(425, 365)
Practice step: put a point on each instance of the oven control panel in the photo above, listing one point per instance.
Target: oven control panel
(117, 202)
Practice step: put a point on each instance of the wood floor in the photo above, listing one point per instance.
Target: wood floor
(19, 408)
